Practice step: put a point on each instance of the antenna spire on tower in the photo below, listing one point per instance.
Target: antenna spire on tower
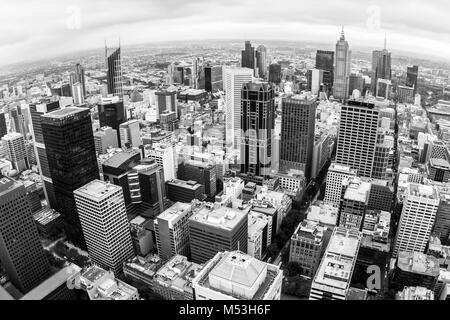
(385, 41)
(342, 33)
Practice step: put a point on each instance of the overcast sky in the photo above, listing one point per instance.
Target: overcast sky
(39, 29)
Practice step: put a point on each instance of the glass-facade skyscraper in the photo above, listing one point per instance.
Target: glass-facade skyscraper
(114, 73)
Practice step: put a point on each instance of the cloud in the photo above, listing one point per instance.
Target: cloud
(32, 29)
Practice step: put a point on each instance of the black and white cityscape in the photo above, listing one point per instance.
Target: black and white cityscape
(224, 150)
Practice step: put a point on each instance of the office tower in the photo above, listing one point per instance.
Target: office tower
(116, 168)
(185, 191)
(21, 252)
(176, 285)
(114, 73)
(381, 195)
(315, 80)
(306, 247)
(201, 172)
(172, 231)
(332, 279)
(213, 78)
(166, 100)
(258, 124)
(79, 77)
(412, 74)
(234, 79)
(103, 218)
(356, 82)
(342, 69)
(237, 276)
(275, 73)
(357, 137)
(101, 284)
(18, 120)
(130, 135)
(325, 62)
(104, 138)
(381, 65)
(354, 203)
(3, 127)
(438, 170)
(163, 154)
(147, 189)
(297, 133)
(212, 230)
(420, 206)
(383, 88)
(261, 61)
(441, 226)
(15, 149)
(415, 269)
(405, 94)
(72, 161)
(36, 110)
(77, 94)
(112, 113)
(257, 240)
(248, 56)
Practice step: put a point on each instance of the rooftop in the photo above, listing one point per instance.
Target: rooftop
(190, 184)
(357, 190)
(178, 272)
(174, 212)
(98, 189)
(323, 213)
(417, 262)
(46, 216)
(309, 229)
(64, 113)
(221, 217)
(423, 191)
(440, 163)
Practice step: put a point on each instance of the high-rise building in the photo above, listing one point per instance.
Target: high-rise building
(234, 78)
(36, 110)
(21, 252)
(166, 100)
(3, 127)
(417, 218)
(257, 123)
(237, 276)
(261, 61)
(103, 217)
(381, 65)
(297, 133)
(172, 231)
(438, 170)
(213, 230)
(315, 80)
(114, 73)
(213, 78)
(15, 148)
(185, 191)
(202, 172)
(306, 247)
(357, 137)
(112, 113)
(77, 94)
(72, 161)
(441, 226)
(163, 154)
(354, 203)
(104, 138)
(275, 73)
(332, 279)
(248, 56)
(130, 134)
(412, 74)
(325, 62)
(342, 69)
(356, 82)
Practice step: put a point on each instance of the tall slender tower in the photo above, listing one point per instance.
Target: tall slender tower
(114, 73)
(342, 68)
(261, 61)
(21, 251)
(248, 56)
(297, 133)
(72, 161)
(234, 78)
(258, 124)
(103, 217)
(357, 138)
(381, 65)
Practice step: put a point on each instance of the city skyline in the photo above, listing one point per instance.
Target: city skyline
(63, 28)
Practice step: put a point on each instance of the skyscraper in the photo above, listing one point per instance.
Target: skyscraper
(258, 123)
(261, 61)
(275, 73)
(417, 219)
(234, 79)
(111, 113)
(342, 68)
(248, 56)
(325, 62)
(297, 133)
(381, 65)
(114, 73)
(213, 78)
(335, 176)
(357, 137)
(412, 74)
(15, 148)
(104, 222)
(130, 134)
(72, 161)
(21, 251)
(3, 127)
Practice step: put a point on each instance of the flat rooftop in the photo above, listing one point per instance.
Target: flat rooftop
(118, 159)
(417, 262)
(221, 217)
(423, 191)
(190, 184)
(342, 168)
(357, 190)
(440, 163)
(323, 213)
(98, 189)
(46, 216)
(63, 113)
(174, 212)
